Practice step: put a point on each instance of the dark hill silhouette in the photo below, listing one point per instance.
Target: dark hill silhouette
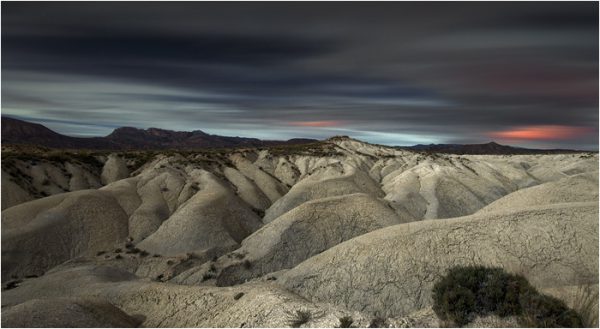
(16, 131)
(487, 148)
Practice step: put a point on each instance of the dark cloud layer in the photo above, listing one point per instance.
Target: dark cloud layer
(388, 72)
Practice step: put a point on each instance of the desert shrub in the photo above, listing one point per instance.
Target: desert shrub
(586, 304)
(298, 318)
(259, 212)
(378, 322)
(468, 291)
(346, 322)
(542, 311)
(99, 253)
(133, 251)
(12, 284)
(207, 276)
(247, 264)
(238, 295)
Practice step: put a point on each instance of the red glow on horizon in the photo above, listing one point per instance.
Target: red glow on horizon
(547, 132)
(325, 123)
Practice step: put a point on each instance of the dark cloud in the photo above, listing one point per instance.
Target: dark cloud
(116, 49)
(389, 72)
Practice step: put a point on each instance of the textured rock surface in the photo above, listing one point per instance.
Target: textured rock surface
(169, 305)
(304, 231)
(213, 217)
(581, 187)
(67, 312)
(325, 182)
(41, 234)
(349, 229)
(391, 271)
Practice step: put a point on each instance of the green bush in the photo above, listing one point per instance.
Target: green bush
(468, 291)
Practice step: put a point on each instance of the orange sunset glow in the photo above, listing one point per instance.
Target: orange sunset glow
(546, 132)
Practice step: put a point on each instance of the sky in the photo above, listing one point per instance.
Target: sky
(396, 73)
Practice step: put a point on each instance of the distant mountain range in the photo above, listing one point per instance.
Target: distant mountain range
(16, 131)
(487, 148)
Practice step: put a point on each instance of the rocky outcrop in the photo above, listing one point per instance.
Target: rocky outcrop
(114, 169)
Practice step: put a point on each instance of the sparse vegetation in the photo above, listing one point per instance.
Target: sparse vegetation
(298, 318)
(133, 251)
(378, 322)
(468, 291)
(309, 149)
(259, 212)
(586, 304)
(208, 275)
(346, 322)
(247, 264)
(12, 284)
(542, 311)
